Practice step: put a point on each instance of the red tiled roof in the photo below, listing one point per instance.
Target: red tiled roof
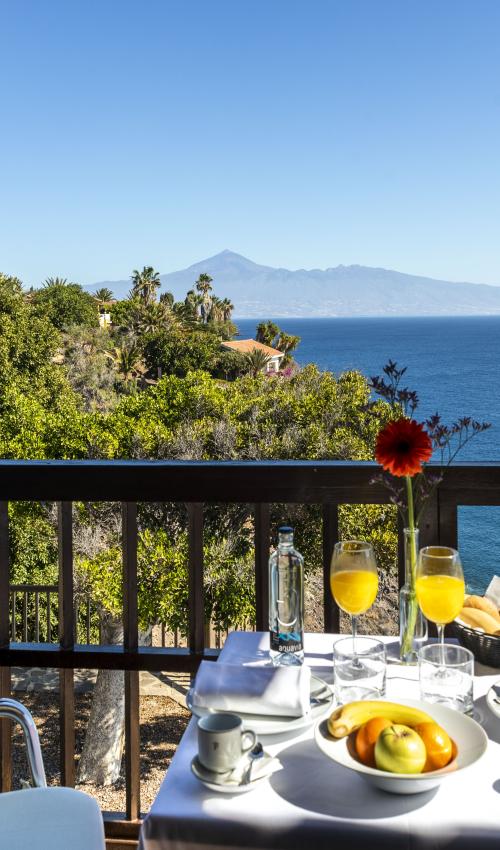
(245, 346)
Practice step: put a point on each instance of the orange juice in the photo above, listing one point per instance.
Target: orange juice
(441, 598)
(354, 590)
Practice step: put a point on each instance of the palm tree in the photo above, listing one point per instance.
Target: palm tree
(204, 287)
(145, 284)
(216, 313)
(185, 314)
(227, 309)
(192, 302)
(127, 359)
(103, 294)
(256, 361)
(204, 284)
(286, 343)
(167, 298)
(55, 281)
(267, 332)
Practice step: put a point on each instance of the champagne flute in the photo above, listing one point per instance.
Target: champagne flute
(440, 587)
(354, 581)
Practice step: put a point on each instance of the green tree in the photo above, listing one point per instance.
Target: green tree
(55, 281)
(271, 334)
(103, 294)
(287, 343)
(204, 287)
(127, 359)
(267, 332)
(65, 304)
(227, 309)
(256, 361)
(177, 353)
(168, 299)
(145, 284)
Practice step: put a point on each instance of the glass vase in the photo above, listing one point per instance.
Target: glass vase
(412, 623)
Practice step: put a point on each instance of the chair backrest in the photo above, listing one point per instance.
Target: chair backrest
(18, 713)
(50, 819)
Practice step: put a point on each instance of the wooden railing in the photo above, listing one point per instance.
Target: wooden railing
(329, 484)
(34, 615)
(34, 612)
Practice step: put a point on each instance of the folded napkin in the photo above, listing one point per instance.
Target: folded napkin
(252, 769)
(493, 591)
(282, 691)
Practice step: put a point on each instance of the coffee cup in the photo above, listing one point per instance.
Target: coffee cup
(222, 741)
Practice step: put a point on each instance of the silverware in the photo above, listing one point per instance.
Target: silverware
(255, 755)
(318, 699)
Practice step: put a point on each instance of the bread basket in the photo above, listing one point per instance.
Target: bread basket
(485, 648)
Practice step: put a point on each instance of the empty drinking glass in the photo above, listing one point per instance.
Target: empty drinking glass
(446, 673)
(364, 679)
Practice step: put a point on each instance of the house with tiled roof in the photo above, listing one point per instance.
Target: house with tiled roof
(245, 346)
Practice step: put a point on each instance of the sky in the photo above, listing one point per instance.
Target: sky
(300, 133)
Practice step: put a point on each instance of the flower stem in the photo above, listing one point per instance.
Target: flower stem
(411, 621)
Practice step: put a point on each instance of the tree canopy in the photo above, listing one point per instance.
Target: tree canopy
(65, 304)
(158, 384)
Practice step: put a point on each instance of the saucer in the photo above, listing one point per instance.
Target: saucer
(214, 782)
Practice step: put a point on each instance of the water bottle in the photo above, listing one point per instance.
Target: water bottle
(286, 601)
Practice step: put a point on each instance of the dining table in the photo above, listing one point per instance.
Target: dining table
(313, 803)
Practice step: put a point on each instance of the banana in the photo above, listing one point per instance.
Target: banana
(350, 717)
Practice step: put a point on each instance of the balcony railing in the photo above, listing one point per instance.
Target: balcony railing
(329, 484)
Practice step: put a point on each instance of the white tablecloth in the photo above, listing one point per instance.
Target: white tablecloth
(314, 803)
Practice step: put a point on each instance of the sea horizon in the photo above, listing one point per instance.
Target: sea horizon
(453, 362)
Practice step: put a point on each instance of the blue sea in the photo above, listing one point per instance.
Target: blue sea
(453, 363)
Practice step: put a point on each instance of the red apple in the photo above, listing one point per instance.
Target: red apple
(400, 749)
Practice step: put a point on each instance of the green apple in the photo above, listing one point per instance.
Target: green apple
(400, 749)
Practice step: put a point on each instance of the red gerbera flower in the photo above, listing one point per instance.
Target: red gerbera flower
(402, 447)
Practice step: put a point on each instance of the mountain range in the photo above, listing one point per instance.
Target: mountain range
(259, 291)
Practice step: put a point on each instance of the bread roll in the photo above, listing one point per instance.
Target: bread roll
(483, 604)
(477, 619)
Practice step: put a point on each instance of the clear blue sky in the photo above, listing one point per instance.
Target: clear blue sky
(304, 133)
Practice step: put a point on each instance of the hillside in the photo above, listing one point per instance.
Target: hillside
(258, 291)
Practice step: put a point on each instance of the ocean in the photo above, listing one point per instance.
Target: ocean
(453, 363)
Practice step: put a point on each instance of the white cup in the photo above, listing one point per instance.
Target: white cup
(222, 741)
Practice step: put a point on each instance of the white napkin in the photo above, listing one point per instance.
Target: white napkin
(493, 591)
(253, 769)
(281, 691)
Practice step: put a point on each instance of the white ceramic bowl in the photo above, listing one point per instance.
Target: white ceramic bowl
(471, 741)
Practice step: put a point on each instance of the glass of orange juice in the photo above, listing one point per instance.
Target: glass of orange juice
(440, 585)
(354, 581)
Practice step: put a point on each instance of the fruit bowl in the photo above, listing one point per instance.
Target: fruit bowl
(470, 739)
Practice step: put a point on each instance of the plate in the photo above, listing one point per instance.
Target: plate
(263, 724)
(471, 741)
(492, 695)
(206, 777)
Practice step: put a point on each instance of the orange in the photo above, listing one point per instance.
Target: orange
(366, 738)
(437, 743)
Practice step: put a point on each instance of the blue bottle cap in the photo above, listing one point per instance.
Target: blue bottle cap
(285, 529)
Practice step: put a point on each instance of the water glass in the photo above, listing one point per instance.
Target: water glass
(446, 674)
(359, 669)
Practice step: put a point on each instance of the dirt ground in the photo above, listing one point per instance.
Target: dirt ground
(162, 723)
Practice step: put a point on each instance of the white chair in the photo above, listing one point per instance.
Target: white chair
(42, 818)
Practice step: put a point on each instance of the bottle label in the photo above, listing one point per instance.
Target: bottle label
(289, 642)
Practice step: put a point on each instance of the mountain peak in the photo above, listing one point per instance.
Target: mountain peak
(263, 291)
